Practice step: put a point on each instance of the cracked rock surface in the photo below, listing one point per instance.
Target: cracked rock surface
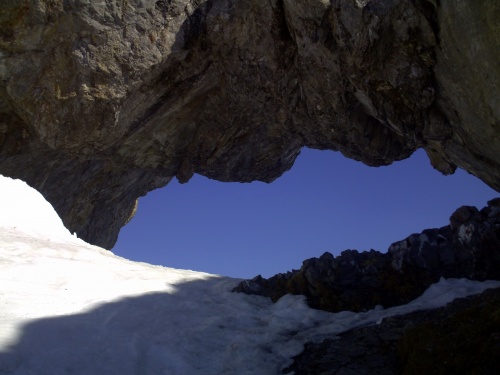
(102, 102)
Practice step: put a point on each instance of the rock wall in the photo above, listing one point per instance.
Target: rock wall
(101, 102)
(358, 281)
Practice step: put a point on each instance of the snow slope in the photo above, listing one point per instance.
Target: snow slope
(67, 307)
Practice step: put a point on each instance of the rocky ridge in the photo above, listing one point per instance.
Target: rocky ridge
(101, 102)
(358, 281)
(462, 337)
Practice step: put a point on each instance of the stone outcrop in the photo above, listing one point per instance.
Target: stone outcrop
(358, 281)
(461, 338)
(103, 101)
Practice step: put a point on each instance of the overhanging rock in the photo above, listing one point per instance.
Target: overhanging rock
(101, 102)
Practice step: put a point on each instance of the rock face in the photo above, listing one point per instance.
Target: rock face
(101, 102)
(467, 248)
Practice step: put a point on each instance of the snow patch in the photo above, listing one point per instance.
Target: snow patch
(25, 209)
(69, 307)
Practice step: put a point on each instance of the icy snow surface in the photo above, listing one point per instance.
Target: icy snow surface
(67, 307)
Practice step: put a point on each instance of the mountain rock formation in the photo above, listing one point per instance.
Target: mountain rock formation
(358, 281)
(462, 337)
(101, 102)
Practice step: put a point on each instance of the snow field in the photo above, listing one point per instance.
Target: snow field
(67, 307)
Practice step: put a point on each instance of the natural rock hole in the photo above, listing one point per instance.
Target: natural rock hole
(324, 203)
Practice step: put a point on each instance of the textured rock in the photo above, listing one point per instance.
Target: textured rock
(467, 248)
(460, 338)
(101, 102)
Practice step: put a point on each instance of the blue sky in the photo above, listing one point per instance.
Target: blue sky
(326, 202)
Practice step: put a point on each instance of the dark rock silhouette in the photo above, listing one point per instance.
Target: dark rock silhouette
(357, 281)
